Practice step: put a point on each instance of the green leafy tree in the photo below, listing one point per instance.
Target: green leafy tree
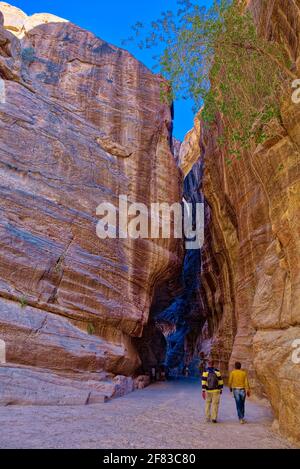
(216, 57)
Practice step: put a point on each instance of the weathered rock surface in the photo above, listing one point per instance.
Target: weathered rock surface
(16, 21)
(142, 382)
(189, 150)
(36, 337)
(21, 385)
(251, 259)
(81, 122)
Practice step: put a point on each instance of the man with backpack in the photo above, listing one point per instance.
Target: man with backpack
(212, 386)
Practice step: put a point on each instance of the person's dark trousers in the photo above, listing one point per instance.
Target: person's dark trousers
(240, 398)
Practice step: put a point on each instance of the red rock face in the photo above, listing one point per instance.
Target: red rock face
(82, 122)
(251, 259)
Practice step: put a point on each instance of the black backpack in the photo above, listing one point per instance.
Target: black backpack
(212, 381)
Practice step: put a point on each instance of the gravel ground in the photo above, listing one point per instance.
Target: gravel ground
(163, 416)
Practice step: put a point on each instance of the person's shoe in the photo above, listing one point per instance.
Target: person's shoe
(207, 420)
(242, 421)
(214, 421)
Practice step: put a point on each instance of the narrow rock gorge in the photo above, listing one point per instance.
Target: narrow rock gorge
(250, 275)
(82, 122)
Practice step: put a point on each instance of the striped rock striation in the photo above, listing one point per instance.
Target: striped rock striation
(81, 122)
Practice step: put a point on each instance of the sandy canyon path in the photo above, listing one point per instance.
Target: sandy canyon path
(164, 415)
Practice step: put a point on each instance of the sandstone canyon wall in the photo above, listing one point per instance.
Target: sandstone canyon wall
(81, 122)
(250, 276)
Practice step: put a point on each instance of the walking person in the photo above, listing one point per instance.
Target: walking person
(212, 386)
(239, 385)
(202, 363)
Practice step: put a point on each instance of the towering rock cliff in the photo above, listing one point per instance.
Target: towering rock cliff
(81, 122)
(250, 279)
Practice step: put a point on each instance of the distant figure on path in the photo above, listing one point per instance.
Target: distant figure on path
(162, 372)
(153, 374)
(212, 386)
(239, 385)
(202, 363)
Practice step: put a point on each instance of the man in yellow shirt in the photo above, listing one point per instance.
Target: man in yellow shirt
(239, 385)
